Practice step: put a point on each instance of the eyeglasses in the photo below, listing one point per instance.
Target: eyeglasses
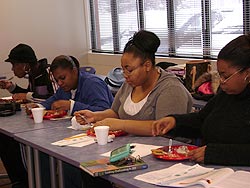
(129, 72)
(224, 80)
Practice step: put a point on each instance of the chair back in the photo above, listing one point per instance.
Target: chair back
(88, 69)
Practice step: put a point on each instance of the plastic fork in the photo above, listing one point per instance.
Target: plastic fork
(170, 146)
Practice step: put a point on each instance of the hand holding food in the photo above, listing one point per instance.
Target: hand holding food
(61, 105)
(19, 96)
(29, 106)
(84, 117)
(5, 84)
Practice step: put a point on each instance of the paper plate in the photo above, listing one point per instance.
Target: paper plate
(179, 152)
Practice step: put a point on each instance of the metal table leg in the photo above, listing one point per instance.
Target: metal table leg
(53, 172)
(30, 167)
(60, 174)
(37, 168)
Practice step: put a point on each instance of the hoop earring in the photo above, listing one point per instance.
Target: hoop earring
(245, 79)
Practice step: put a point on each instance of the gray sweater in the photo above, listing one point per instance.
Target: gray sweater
(169, 96)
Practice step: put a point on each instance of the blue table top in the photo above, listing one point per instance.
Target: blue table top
(20, 122)
(40, 137)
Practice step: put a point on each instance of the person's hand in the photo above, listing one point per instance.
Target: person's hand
(29, 106)
(61, 105)
(19, 96)
(5, 84)
(84, 116)
(162, 126)
(198, 154)
(111, 122)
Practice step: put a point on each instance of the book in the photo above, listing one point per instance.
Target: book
(180, 175)
(102, 166)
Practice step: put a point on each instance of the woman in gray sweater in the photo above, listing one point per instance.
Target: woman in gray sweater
(148, 94)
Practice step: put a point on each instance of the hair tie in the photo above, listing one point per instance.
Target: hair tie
(71, 61)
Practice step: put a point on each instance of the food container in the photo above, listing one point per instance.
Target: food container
(8, 107)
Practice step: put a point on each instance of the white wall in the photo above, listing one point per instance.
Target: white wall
(51, 27)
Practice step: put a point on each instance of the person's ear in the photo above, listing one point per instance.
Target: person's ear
(247, 78)
(148, 65)
(248, 71)
(26, 68)
(75, 70)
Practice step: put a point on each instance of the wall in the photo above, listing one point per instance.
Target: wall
(51, 27)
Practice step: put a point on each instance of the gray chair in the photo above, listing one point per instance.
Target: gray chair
(88, 69)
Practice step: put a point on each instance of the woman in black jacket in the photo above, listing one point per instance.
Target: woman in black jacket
(24, 62)
(224, 123)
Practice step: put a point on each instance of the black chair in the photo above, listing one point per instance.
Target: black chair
(164, 65)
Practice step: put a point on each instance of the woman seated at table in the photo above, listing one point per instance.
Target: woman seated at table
(24, 62)
(77, 90)
(224, 123)
(149, 93)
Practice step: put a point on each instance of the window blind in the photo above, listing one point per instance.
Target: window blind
(187, 28)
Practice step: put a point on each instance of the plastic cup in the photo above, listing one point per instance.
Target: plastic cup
(101, 133)
(37, 114)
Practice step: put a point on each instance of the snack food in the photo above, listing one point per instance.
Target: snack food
(179, 152)
(182, 150)
(48, 114)
(19, 101)
(117, 133)
(29, 106)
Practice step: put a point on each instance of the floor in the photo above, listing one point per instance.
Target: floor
(4, 182)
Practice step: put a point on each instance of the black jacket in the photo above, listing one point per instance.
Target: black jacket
(39, 82)
(224, 125)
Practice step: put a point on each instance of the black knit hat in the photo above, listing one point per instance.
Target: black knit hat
(22, 53)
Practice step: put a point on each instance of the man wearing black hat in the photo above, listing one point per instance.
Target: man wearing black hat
(24, 62)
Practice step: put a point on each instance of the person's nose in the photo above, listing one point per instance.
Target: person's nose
(222, 80)
(125, 75)
(59, 82)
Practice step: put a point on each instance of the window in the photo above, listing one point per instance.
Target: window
(187, 28)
